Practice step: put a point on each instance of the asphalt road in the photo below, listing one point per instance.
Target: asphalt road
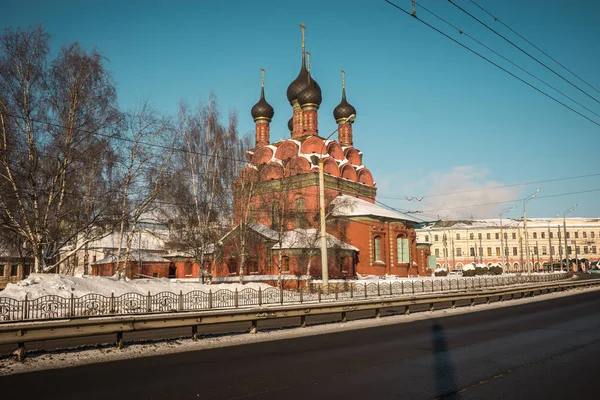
(546, 350)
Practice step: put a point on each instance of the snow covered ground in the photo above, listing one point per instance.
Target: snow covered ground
(64, 359)
(38, 285)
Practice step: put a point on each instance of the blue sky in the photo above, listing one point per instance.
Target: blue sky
(432, 118)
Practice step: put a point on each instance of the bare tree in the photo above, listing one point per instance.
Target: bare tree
(143, 173)
(245, 214)
(208, 168)
(56, 120)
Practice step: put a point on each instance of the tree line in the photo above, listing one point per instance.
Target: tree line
(75, 168)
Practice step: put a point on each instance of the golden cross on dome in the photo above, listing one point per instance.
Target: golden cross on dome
(303, 27)
(262, 77)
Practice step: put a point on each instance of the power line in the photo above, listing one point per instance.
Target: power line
(493, 63)
(462, 32)
(525, 52)
(513, 200)
(494, 187)
(536, 47)
(125, 139)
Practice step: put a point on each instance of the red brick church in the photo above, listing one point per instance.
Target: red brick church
(276, 200)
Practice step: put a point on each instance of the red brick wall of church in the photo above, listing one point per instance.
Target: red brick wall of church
(361, 234)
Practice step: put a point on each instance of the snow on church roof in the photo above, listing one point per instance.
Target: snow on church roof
(348, 206)
(310, 238)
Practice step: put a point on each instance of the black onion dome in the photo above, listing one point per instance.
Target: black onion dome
(310, 95)
(262, 109)
(291, 124)
(344, 109)
(300, 83)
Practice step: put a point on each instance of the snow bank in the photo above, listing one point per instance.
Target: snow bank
(38, 285)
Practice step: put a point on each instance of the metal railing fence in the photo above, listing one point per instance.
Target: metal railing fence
(56, 307)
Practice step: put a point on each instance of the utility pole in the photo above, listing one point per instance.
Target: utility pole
(502, 235)
(530, 197)
(560, 249)
(565, 230)
(521, 249)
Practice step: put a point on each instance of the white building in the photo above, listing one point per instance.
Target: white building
(455, 243)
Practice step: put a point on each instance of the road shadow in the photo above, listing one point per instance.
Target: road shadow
(446, 386)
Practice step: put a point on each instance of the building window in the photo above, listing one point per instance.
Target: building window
(458, 236)
(488, 236)
(568, 235)
(535, 235)
(505, 236)
(593, 249)
(514, 235)
(592, 235)
(377, 248)
(551, 235)
(14, 270)
(576, 234)
(481, 252)
(459, 252)
(188, 268)
(472, 251)
(436, 238)
(535, 251)
(543, 235)
(568, 250)
(402, 249)
(506, 253)
(300, 213)
(285, 264)
(471, 236)
(489, 251)
(514, 251)
(498, 251)
(585, 235)
(544, 250)
(427, 238)
(437, 253)
(232, 265)
(577, 250)
(479, 236)
(275, 216)
(497, 235)
(252, 265)
(585, 249)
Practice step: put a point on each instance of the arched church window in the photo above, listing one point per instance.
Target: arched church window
(402, 249)
(377, 248)
(232, 265)
(285, 264)
(275, 216)
(300, 213)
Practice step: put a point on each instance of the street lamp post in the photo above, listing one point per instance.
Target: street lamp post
(565, 234)
(324, 264)
(531, 197)
(502, 236)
